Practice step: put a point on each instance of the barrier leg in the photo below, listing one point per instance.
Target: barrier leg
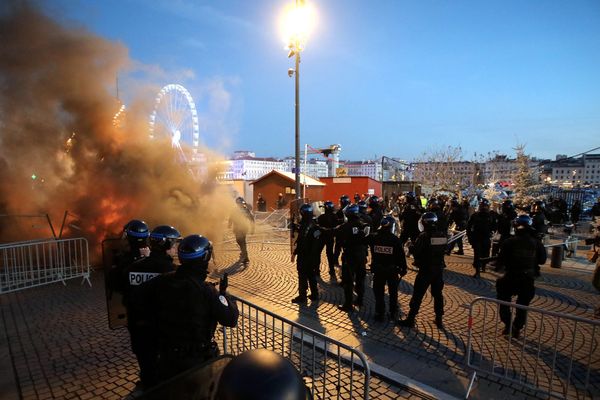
(471, 382)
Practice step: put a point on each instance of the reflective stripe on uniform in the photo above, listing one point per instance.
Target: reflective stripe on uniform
(137, 278)
(383, 249)
(436, 241)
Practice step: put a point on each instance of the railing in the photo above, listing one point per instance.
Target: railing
(556, 354)
(333, 370)
(40, 262)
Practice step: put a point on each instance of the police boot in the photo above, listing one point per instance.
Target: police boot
(299, 300)
(438, 322)
(409, 322)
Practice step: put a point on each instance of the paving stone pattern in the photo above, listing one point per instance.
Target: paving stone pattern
(270, 281)
(61, 347)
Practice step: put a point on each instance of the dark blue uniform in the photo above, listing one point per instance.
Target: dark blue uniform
(352, 236)
(428, 251)
(142, 334)
(308, 258)
(388, 264)
(328, 222)
(186, 310)
(480, 227)
(522, 256)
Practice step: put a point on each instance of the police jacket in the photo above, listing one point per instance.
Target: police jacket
(352, 237)
(307, 249)
(505, 220)
(410, 218)
(459, 217)
(366, 218)
(328, 222)
(539, 222)
(144, 269)
(428, 251)
(481, 225)
(187, 310)
(376, 216)
(522, 254)
(387, 252)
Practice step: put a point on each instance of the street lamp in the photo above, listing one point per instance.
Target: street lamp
(297, 23)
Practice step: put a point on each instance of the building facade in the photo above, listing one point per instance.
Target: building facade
(576, 172)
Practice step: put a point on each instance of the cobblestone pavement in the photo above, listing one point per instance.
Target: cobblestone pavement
(60, 345)
(426, 353)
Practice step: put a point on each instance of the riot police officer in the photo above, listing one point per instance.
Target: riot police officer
(505, 220)
(538, 219)
(136, 234)
(187, 309)
(428, 250)
(308, 255)
(388, 266)
(363, 212)
(328, 221)
(143, 342)
(352, 235)
(457, 216)
(409, 217)
(522, 256)
(480, 227)
(340, 214)
(242, 222)
(375, 212)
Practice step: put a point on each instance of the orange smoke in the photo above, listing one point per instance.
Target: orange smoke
(56, 81)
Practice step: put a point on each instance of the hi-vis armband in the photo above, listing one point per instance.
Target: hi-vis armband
(383, 249)
(137, 278)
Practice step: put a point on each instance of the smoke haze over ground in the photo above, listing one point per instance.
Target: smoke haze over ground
(57, 84)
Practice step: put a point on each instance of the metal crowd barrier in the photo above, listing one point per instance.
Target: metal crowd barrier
(34, 263)
(556, 354)
(332, 369)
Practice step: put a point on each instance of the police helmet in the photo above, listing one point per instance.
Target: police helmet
(484, 204)
(261, 374)
(428, 221)
(164, 237)
(373, 201)
(136, 232)
(537, 206)
(433, 204)
(240, 201)
(352, 211)
(344, 201)
(507, 205)
(362, 206)
(522, 222)
(306, 211)
(329, 206)
(194, 248)
(388, 223)
(410, 197)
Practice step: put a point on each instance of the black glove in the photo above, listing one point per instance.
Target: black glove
(223, 283)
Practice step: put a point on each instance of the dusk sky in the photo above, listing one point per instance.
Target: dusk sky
(394, 78)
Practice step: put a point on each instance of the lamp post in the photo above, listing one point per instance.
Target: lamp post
(297, 23)
(296, 52)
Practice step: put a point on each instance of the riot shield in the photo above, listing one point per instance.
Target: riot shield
(198, 383)
(117, 315)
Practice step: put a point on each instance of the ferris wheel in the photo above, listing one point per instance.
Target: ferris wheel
(175, 117)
